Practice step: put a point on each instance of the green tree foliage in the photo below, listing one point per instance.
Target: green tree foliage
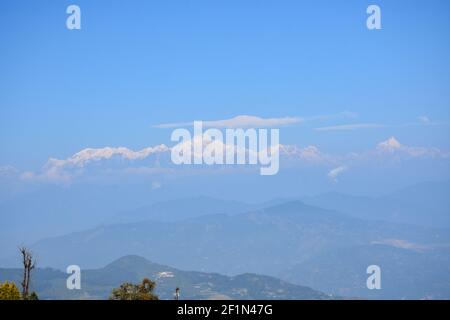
(130, 291)
(9, 291)
(33, 296)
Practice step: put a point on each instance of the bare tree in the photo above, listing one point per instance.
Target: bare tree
(28, 265)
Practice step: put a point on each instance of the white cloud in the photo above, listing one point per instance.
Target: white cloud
(241, 121)
(7, 171)
(390, 145)
(156, 160)
(62, 171)
(421, 121)
(353, 126)
(340, 115)
(156, 185)
(394, 147)
(247, 121)
(334, 173)
(88, 155)
(27, 175)
(424, 120)
(309, 154)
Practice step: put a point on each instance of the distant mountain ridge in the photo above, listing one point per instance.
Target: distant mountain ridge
(426, 204)
(293, 240)
(98, 283)
(182, 209)
(279, 241)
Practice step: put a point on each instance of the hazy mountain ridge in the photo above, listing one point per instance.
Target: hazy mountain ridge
(169, 210)
(293, 240)
(98, 283)
(426, 204)
(267, 241)
(405, 274)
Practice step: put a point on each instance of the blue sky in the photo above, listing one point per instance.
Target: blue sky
(135, 64)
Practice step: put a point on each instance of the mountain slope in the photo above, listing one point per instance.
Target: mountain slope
(405, 273)
(281, 235)
(268, 241)
(427, 204)
(181, 209)
(98, 283)
(60, 211)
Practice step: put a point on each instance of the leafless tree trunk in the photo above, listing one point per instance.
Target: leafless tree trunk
(28, 265)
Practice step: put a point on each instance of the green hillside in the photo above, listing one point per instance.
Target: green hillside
(98, 283)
